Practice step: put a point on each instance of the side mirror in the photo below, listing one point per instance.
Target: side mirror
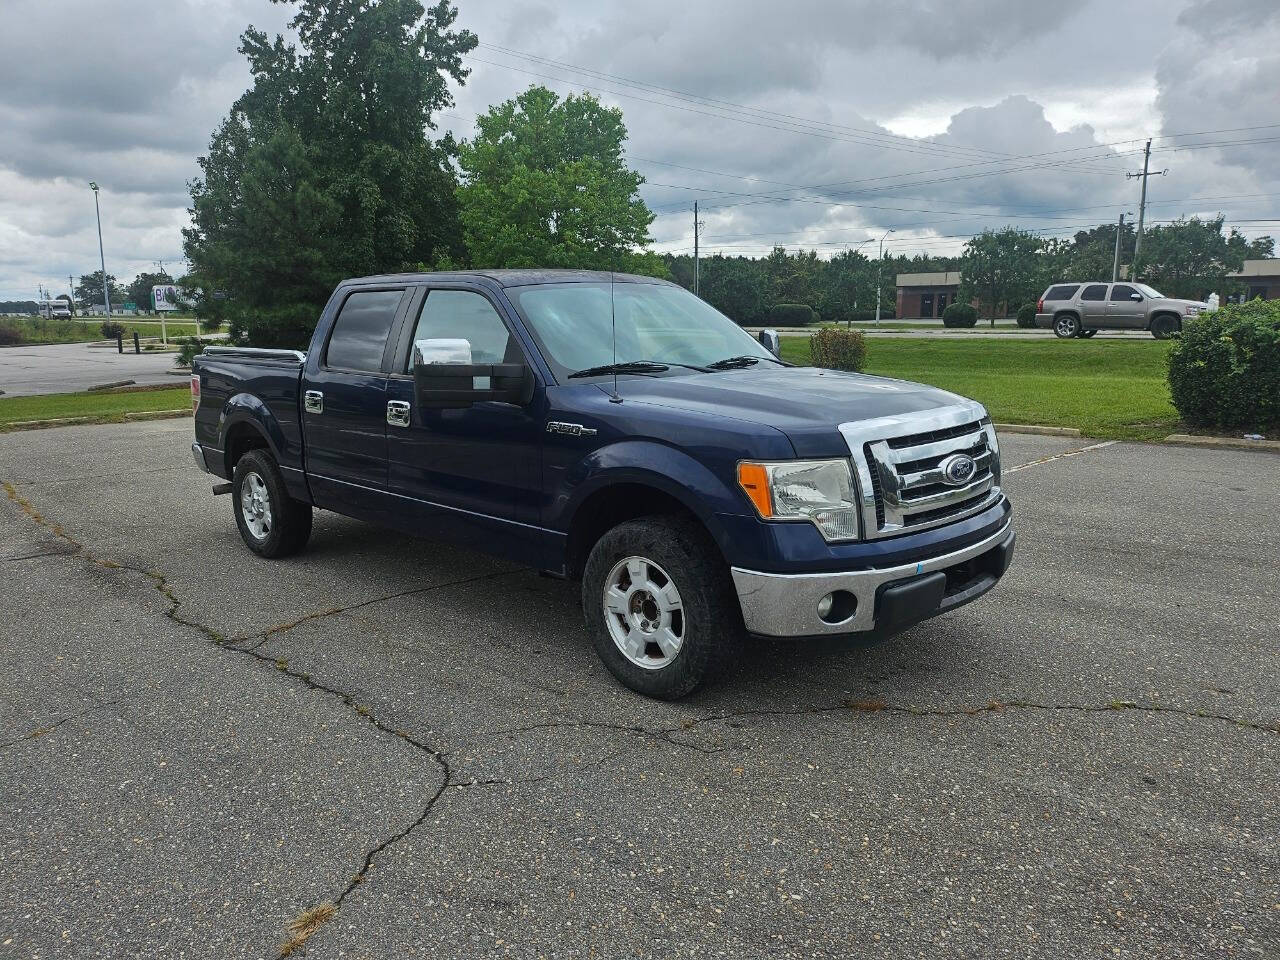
(444, 378)
(1135, 296)
(770, 341)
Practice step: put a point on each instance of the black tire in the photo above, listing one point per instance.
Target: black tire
(1066, 326)
(288, 521)
(1165, 326)
(1086, 334)
(710, 618)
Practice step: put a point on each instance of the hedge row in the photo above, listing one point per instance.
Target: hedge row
(1224, 369)
(837, 349)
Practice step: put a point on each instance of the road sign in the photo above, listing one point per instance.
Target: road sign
(164, 297)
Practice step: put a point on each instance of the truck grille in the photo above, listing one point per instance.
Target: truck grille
(899, 461)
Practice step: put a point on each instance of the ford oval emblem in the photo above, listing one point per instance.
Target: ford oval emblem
(958, 469)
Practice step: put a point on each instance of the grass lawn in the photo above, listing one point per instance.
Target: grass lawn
(80, 330)
(107, 406)
(1113, 389)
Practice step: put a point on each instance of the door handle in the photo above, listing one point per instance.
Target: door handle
(313, 401)
(398, 413)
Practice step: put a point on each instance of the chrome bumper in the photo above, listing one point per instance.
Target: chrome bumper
(197, 452)
(786, 605)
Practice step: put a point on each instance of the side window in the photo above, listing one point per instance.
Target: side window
(1096, 291)
(360, 332)
(1122, 292)
(1063, 292)
(462, 315)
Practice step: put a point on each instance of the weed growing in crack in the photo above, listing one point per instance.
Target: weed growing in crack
(305, 925)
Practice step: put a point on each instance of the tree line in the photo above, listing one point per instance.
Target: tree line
(330, 166)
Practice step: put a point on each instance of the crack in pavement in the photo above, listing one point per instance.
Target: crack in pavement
(42, 731)
(1059, 456)
(161, 584)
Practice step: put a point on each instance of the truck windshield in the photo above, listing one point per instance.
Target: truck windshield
(655, 322)
(1151, 292)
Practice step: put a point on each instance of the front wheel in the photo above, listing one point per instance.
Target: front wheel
(1066, 326)
(1163, 327)
(660, 606)
(271, 522)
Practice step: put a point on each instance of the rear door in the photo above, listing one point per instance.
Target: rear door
(1126, 306)
(1093, 306)
(345, 400)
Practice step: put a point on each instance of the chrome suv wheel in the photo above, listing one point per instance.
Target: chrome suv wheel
(1066, 326)
(255, 505)
(644, 612)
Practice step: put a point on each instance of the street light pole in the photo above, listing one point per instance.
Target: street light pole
(879, 264)
(102, 260)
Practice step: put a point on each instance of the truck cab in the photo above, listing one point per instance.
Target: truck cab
(616, 430)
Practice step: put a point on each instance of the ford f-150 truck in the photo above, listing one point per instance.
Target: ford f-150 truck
(617, 430)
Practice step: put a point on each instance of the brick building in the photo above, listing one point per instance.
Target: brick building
(1260, 278)
(926, 294)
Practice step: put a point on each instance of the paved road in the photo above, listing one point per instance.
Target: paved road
(197, 745)
(68, 367)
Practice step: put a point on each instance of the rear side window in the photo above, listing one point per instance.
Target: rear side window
(1096, 291)
(1122, 292)
(1063, 292)
(360, 332)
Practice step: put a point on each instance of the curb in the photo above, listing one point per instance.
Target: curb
(1037, 430)
(1223, 443)
(75, 421)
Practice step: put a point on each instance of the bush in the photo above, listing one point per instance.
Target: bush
(111, 329)
(1224, 369)
(188, 348)
(10, 335)
(959, 315)
(792, 315)
(837, 349)
(1027, 315)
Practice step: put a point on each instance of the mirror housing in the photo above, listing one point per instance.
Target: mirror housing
(770, 340)
(1135, 296)
(444, 377)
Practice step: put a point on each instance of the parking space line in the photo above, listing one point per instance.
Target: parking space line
(1059, 456)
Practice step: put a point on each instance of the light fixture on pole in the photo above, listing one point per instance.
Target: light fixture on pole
(102, 260)
(879, 263)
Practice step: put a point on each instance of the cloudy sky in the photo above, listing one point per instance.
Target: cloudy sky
(810, 123)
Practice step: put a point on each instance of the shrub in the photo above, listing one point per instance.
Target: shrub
(792, 315)
(1224, 369)
(959, 315)
(1027, 315)
(111, 329)
(188, 348)
(837, 349)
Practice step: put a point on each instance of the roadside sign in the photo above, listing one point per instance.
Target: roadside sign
(130, 305)
(164, 297)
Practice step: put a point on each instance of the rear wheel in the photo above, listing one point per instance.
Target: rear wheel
(271, 522)
(660, 606)
(1066, 326)
(1164, 326)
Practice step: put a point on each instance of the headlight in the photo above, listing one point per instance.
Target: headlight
(820, 491)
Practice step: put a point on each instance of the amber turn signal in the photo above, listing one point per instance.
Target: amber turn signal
(754, 479)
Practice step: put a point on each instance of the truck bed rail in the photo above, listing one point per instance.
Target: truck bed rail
(257, 353)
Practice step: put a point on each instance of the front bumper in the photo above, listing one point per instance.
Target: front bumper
(888, 598)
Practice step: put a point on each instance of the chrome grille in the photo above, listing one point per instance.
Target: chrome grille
(897, 462)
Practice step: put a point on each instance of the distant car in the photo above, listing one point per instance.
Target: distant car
(1082, 309)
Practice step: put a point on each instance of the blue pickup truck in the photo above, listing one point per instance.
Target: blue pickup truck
(616, 430)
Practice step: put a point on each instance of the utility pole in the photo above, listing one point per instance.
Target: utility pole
(1115, 266)
(1142, 205)
(695, 248)
(879, 264)
(106, 296)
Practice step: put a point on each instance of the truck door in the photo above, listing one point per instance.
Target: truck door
(344, 404)
(472, 473)
(1123, 310)
(1093, 306)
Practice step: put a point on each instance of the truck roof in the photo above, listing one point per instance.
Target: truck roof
(513, 278)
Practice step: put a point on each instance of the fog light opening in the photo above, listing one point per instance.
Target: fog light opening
(837, 607)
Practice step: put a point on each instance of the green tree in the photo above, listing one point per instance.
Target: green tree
(1000, 268)
(89, 290)
(848, 283)
(324, 169)
(1092, 253)
(140, 290)
(544, 184)
(1191, 258)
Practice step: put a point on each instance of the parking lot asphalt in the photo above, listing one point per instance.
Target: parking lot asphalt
(198, 745)
(68, 367)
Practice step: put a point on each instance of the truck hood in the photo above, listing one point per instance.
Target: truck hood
(805, 403)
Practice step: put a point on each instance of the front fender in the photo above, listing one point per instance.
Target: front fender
(653, 464)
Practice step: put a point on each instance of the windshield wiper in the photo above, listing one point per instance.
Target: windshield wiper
(733, 363)
(631, 366)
